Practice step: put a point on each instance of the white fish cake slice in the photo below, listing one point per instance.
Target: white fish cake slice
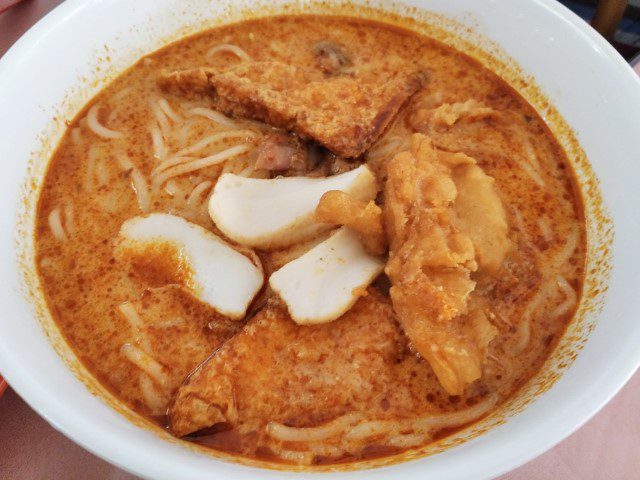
(166, 249)
(321, 285)
(278, 212)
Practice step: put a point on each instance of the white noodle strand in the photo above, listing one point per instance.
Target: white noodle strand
(101, 173)
(196, 193)
(227, 47)
(172, 188)
(312, 434)
(161, 118)
(146, 363)
(157, 141)
(125, 162)
(168, 111)
(156, 402)
(211, 115)
(570, 300)
(201, 163)
(96, 127)
(69, 220)
(136, 324)
(55, 224)
(216, 137)
(76, 135)
(141, 189)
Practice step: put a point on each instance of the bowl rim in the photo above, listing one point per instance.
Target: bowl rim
(38, 400)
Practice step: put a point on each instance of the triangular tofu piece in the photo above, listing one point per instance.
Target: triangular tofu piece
(343, 113)
(275, 370)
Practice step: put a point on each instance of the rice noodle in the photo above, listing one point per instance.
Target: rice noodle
(146, 363)
(201, 163)
(532, 156)
(294, 456)
(161, 118)
(529, 170)
(181, 133)
(426, 424)
(211, 115)
(101, 173)
(312, 434)
(136, 324)
(227, 47)
(517, 216)
(90, 172)
(522, 336)
(406, 432)
(246, 172)
(171, 162)
(545, 229)
(131, 315)
(523, 333)
(157, 141)
(75, 135)
(538, 299)
(569, 247)
(96, 127)
(141, 189)
(120, 95)
(55, 224)
(401, 433)
(407, 440)
(168, 111)
(68, 218)
(156, 401)
(124, 161)
(571, 298)
(196, 193)
(216, 137)
(496, 360)
(172, 188)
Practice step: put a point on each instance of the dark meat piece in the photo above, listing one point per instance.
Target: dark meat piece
(344, 114)
(331, 57)
(287, 155)
(279, 151)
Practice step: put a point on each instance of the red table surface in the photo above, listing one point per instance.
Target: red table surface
(607, 447)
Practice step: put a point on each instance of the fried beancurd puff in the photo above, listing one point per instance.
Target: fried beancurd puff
(365, 218)
(435, 247)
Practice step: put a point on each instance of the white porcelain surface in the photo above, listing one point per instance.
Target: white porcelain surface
(586, 80)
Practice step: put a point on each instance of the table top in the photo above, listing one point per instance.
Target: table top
(605, 448)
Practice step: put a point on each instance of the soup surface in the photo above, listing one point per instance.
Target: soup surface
(470, 207)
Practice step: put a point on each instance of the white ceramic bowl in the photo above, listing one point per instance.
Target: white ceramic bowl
(62, 61)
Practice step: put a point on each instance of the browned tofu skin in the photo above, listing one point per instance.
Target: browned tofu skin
(275, 370)
(344, 114)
